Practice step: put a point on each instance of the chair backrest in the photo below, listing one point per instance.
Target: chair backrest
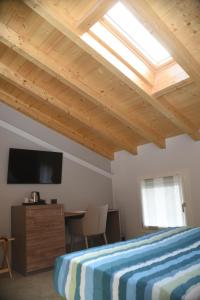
(94, 221)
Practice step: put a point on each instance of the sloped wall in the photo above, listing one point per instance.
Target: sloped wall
(86, 177)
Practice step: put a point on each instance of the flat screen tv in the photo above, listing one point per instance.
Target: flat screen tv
(31, 166)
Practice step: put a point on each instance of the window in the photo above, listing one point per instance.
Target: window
(162, 202)
(122, 39)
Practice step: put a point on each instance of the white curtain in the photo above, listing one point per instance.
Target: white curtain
(162, 200)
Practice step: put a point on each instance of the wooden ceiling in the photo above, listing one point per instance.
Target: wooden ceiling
(48, 73)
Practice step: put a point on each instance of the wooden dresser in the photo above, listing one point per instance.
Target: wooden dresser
(39, 232)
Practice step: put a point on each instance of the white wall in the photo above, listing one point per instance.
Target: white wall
(181, 155)
(82, 181)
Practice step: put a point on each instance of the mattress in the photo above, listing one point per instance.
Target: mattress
(160, 266)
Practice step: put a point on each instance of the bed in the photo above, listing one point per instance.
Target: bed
(160, 266)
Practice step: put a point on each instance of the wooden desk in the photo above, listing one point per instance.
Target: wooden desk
(4, 244)
(74, 213)
(113, 231)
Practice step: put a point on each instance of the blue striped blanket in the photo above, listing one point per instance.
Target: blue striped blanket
(161, 266)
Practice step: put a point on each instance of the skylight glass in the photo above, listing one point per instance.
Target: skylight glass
(137, 34)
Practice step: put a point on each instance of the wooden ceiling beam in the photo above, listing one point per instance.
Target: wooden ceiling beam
(48, 12)
(65, 75)
(53, 123)
(181, 121)
(33, 89)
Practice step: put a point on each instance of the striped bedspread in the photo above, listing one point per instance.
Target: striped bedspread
(161, 266)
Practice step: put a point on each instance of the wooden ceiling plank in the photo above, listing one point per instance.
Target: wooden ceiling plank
(53, 123)
(49, 14)
(65, 75)
(29, 86)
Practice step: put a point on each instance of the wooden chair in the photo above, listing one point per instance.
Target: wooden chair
(4, 245)
(93, 223)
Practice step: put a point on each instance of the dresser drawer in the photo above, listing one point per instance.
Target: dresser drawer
(38, 226)
(43, 257)
(44, 211)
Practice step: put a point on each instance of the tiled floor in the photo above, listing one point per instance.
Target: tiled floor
(33, 287)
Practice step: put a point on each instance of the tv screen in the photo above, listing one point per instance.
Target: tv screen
(30, 166)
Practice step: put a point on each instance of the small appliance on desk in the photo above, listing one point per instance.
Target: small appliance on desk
(34, 200)
(35, 196)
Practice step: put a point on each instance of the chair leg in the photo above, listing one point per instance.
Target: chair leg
(105, 238)
(86, 242)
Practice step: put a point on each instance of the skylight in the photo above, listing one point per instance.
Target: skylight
(137, 34)
(121, 39)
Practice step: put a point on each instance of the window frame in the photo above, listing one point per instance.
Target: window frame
(161, 175)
